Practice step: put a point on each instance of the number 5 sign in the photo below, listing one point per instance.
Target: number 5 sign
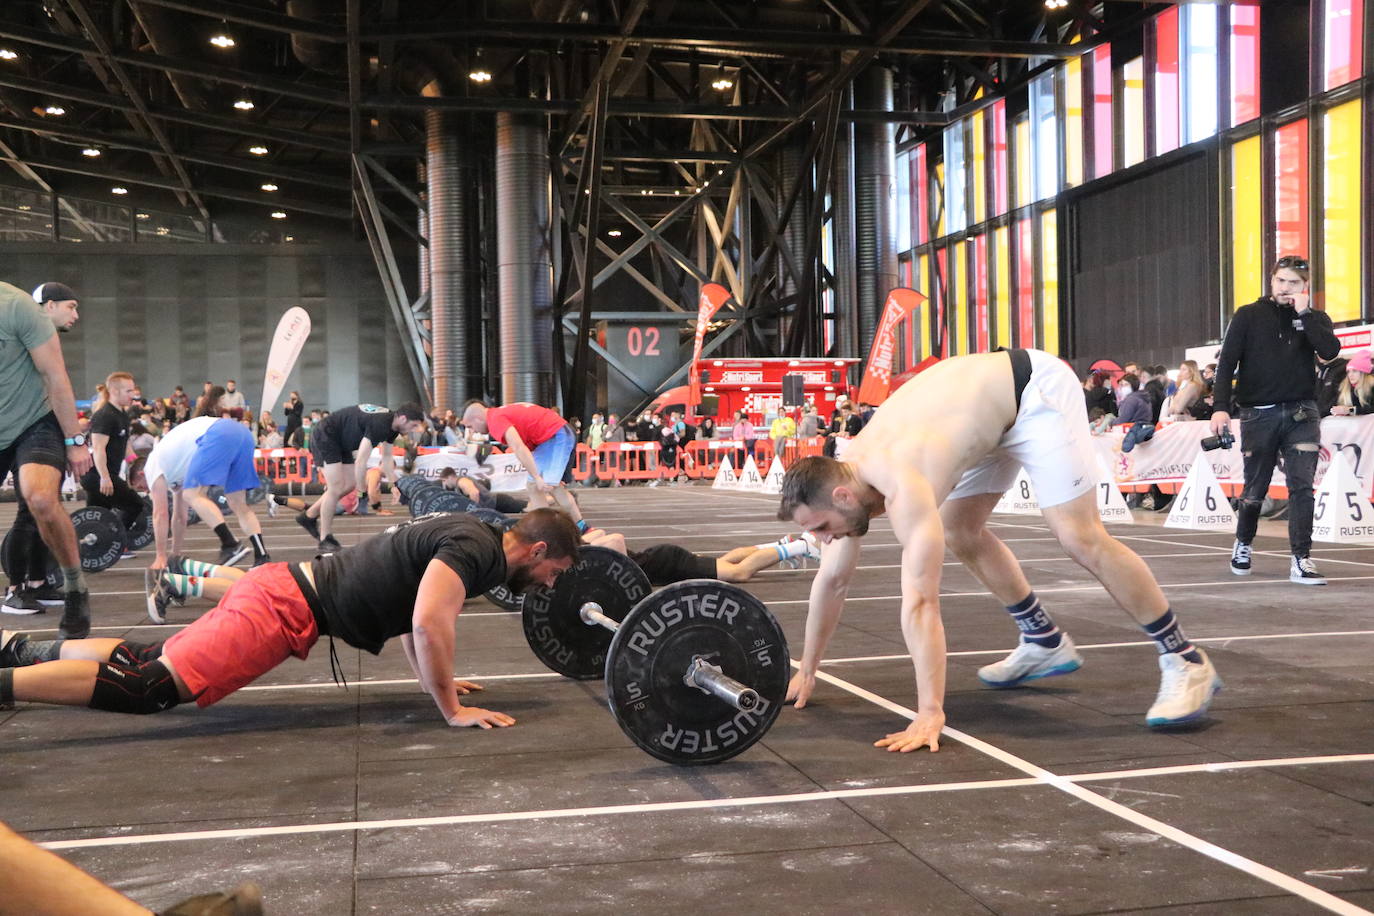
(1343, 514)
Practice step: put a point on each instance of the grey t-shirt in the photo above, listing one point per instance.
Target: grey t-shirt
(23, 327)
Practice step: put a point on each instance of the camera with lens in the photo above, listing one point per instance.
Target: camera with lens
(1225, 440)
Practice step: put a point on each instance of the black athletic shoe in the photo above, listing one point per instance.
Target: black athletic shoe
(230, 554)
(312, 526)
(21, 601)
(262, 560)
(330, 544)
(174, 565)
(159, 597)
(76, 616)
(46, 594)
(10, 641)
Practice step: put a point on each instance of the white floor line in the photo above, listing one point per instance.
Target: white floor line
(1108, 645)
(1094, 587)
(711, 803)
(1255, 869)
(1322, 551)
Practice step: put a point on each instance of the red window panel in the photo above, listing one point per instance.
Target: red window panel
(1025, 284)
(1290, 188)
(1000, 165)
(1166, 81)
(1102, 110)
(1344, 32)
(904, 274)
(980, 293)
(1245, 60)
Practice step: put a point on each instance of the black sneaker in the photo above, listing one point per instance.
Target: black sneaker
(311, 525)
(174, 565)
(1304, 572)
(76, 616)
(46, 593)
(10, 641)
(330, 544)
(230, 554)
(21, 601)
(262, 560)
(1240, 559)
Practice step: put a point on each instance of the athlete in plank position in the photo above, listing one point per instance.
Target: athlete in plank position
(938, 469)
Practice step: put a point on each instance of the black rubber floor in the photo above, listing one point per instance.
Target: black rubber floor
(1051, 799)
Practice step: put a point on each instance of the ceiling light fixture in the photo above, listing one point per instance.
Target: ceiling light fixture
(244, 104)
(269, 186)
(120, 191)
(1056, 4)
(613, 233)
(222, 40)
(258, 150)
(279, 214)
(142, 216)
(7, 54)
(723, 82)
(479, 73)
(163, 230)
(56, 111)
(91, 152)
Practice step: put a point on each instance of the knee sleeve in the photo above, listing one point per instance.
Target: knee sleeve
(132, 654)
(145, 689)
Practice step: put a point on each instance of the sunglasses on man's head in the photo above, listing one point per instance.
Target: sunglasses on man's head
(1291, 261)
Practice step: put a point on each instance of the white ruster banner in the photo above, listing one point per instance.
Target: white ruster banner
(503, 471)
(292, 331)
(1168, 457)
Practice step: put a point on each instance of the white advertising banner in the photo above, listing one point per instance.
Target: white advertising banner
(1168, 457)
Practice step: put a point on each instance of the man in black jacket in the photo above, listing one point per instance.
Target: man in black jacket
(1275, 341)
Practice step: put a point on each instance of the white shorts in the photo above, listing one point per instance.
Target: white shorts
(1050, 439)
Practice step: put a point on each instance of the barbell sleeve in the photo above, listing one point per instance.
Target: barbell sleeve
(716, 682)
(592, 616)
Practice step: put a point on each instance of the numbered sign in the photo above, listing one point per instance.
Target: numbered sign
(1020, 499)
(1111, 505)
(749, 477)
(1342, 514)
(725, 476)
(1201, 504)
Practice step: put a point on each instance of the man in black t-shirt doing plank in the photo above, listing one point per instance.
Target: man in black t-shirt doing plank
(409, 581)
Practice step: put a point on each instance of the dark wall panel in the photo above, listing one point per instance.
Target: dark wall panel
(180, 316)
(1144, 277)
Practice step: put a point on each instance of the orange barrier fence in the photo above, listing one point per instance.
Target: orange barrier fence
(287, 466)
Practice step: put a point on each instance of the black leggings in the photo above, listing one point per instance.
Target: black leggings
(124, 500)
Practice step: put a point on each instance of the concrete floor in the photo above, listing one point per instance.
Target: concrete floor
(1049, 799)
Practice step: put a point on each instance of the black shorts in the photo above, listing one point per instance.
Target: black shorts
(40, 443)
(665, 564)
(326, 447)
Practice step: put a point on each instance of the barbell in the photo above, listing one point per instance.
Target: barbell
(695, 672)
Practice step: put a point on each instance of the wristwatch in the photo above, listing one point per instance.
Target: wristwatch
(78, 439)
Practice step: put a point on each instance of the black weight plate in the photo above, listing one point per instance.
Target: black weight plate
(504, 598)
(655, 645)
(551, 618)
(409, 483)
(99, 537)
(422, 498)
(141, 532)
(449, 501)
(54, 577)
(492, 517)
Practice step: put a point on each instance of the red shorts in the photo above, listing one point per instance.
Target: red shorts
(260, 622)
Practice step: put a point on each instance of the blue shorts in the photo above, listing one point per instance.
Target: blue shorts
(224, 458)
(551, 457)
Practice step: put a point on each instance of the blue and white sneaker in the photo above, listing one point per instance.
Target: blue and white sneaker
(1185, 690)
(1030, 661)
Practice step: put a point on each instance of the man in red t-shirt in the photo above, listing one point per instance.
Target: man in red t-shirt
(540, 438)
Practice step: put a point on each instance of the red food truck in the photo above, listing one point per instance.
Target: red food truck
(755, 386)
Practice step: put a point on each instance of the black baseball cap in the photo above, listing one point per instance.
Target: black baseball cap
(53, 292)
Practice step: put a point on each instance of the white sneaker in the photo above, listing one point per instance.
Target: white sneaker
(813, 546)
(1304, 572)
(1030, 661)
(1185, 690)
